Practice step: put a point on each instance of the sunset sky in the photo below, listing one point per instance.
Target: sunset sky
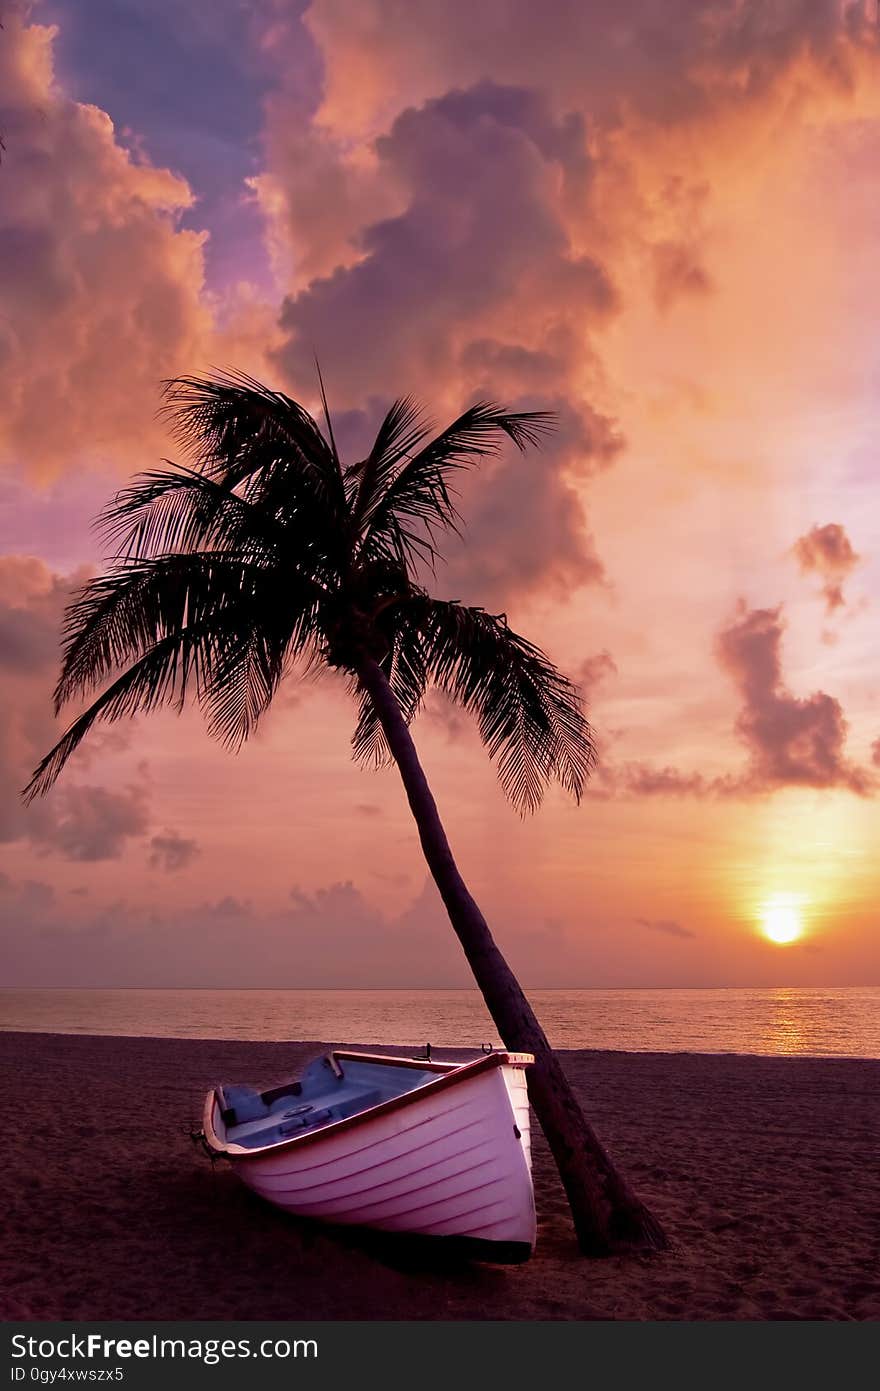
(657, 218)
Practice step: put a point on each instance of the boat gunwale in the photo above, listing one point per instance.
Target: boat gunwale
(449, 1074)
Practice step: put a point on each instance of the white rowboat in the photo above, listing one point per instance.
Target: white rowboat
(399, 1144)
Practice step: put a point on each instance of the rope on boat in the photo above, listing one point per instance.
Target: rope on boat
(198, 1139)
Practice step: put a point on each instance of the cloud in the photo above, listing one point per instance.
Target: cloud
(475, 288)
(32, 600)
(678, 272)
(171, 851)
(644, 781)
(473, 205)
(77, 821)
(100, 285)
(667, 926)
(330, 937)
(229, 907)
(92, 823)
(594, 670)
(668, 65)
(479, 241)
(444, 716)
(315, 194)
(792, 741)
(640, 779)
(526, 523)
(826, 551)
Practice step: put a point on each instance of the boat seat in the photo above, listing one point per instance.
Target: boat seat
(280, 1093)
(352, 1105)
(241, 1103)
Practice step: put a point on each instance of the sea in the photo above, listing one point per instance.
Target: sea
(839, 1022)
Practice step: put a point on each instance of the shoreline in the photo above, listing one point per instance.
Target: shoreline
(762, 1167)
(406, 1048)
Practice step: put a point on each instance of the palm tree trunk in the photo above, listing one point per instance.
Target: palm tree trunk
(607, 1214)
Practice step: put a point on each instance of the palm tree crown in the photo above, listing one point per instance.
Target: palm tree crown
(265, 554)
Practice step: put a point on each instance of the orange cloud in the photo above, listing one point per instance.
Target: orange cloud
(100, 286)
(667, 65)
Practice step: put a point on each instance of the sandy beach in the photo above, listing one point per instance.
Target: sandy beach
(764, 1170)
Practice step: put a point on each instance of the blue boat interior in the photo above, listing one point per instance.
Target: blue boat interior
(329, 1090)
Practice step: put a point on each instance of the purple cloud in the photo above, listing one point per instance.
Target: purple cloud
(826, 551)
(92, 823)
(171, 851)
(791, 740)
(474, 289)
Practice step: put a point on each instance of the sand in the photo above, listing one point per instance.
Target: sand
(766, 1172)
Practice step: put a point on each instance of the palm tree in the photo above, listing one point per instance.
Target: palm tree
(266, 556)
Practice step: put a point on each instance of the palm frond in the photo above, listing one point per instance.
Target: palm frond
(235, 428)
(247, 666)
(179, 509)
(402, 429)
(327, 418)
(158, 678)
(530, 716)
(119, 615)
(240, 685)
(178, 620)
(419, 492)
(405, 670)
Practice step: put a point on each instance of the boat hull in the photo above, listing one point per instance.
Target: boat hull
(454, 1163)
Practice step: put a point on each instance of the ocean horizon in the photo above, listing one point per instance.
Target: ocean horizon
(842, 1021)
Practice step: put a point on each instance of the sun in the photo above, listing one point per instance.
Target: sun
(781, 919)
